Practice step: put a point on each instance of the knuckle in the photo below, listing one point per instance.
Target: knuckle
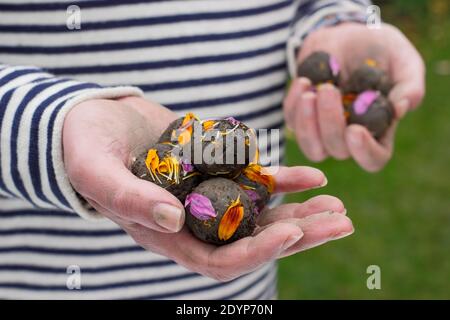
(79, 175)
(120, 202)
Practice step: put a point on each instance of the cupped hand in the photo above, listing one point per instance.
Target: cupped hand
(101, 136)
(318, 117)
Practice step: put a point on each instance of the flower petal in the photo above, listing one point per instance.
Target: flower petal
(187, 167)
(233, 121)
(254, 173)
(152, 160)
(334, 66)
(364, 101)
(208, 124)
(200, 206)
(252, 194)
(231, 220)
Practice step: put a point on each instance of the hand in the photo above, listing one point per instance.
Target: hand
(101, 136)
(318, 118)
(282, 231)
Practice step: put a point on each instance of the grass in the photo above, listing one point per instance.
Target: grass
(402, 214)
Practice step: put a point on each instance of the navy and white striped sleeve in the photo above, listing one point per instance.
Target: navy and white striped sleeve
(33, 105)
(314, 14)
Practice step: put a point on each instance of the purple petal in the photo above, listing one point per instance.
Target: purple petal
(364, 101)
(253, 195)
(233, 121)
(256, 211)
(187, 167)
(200, 206)
(334, 66)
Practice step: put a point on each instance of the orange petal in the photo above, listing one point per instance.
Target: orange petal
(231, 220)
(186, 129)
(164, 167)
(254, 173)
(185, 136)
(371, 62)
(208, 124)
(152, 160)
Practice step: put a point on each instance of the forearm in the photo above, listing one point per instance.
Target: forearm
(33, 106)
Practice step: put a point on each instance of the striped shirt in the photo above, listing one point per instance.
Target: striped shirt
(214, 58)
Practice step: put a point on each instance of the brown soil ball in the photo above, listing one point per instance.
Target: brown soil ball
(226, 147)
(320, 67)
(368, 77)
(218, 211)
(163, 166)
(372, 110)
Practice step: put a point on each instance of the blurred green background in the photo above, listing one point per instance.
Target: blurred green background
(402, 214)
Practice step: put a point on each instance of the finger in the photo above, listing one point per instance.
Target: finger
(370, 154)
(298, 87)
(319, 229)
(331, 120)
(222, 263)
(307, 128)
(131, 198)
(298, 178)
(108, 214)
(250, 253)
(318, 204)
(408, 75)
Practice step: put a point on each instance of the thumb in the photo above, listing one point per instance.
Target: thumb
(135, 200)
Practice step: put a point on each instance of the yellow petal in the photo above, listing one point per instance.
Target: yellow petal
(231, 220)
(208, 124)
(371, 62)
(164, 167)
(254, 173)
(152, 160)
(185, 136)
(186, 129)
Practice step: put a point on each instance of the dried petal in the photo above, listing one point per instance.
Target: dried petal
(200, 206)
(233, 121)
(208, 124)
(252, 194)
(334, 66)
(348, 98)
(371, 62)
(185, 130)
(152, 160)
(254, 173)
(187, 167)
(231, 220)
(364, 101)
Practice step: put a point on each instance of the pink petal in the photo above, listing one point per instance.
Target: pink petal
(200, 206)
(252, 195)
(233, 121)
(187, 167)
(364, 101)
(334, 66)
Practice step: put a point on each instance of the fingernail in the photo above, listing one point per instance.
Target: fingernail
(168, 217)
(355, 140)
(324, 182)
(342, 235)
(304, 81)
(291, 241)
(402, 107)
